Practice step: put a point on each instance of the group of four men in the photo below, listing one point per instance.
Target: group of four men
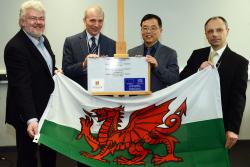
(30, 65)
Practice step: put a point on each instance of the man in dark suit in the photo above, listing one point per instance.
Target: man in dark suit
(163, 60)
(232, 70)
(79, 47)
(90, 43)
(30, 63)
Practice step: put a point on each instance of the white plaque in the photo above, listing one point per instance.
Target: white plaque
(118, 76)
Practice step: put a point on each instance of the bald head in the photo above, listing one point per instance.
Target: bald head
(93, 9)
(93, 20)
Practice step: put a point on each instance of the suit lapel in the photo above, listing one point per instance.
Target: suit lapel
(35, 51)
(83, 43)
(47, 45)
(140, 50)
(206, 54)
(224, 61)
(157, 52)
(101, 45)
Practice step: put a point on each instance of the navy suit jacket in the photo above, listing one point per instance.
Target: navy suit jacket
(29, 80)
(233, 72)
(167, 72)
(75, 51)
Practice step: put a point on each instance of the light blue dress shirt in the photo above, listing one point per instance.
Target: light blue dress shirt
(44, 52)
(42, 49)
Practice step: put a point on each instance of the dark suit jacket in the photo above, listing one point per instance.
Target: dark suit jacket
(74, 52)
(233, 72)
(167, 73)
(29, 80)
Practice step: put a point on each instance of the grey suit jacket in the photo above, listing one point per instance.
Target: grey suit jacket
(167, 73)
(74, 52)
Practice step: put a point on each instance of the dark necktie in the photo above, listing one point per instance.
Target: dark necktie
(93, 48)
(148, 51)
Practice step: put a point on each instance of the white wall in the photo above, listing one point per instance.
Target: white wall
(183, 30)
(7, 133)
(183, 22)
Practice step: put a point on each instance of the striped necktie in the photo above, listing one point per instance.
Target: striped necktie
(93, 48)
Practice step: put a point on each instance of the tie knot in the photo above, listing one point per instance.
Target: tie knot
(212, 55)
(93, 39)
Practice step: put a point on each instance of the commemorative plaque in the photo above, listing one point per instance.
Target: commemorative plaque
(118, 76)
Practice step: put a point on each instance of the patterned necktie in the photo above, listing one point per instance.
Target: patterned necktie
(93, 48)
(211, 56)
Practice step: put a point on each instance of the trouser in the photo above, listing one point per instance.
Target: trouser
(27, 150)
(81, 165)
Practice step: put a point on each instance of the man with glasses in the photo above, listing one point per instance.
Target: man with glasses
(163, 60)
(232, 70)
(30, 65)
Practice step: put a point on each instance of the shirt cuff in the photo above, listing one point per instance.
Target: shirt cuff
(32, 120)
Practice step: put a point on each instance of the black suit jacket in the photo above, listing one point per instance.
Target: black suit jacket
(233, 72)
(29, 80)
(75, 51)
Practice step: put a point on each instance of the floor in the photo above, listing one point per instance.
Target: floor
(239, 156)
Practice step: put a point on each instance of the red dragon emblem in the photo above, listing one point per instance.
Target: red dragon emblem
(142, 128)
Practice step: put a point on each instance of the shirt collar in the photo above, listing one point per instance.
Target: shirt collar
(34, 40)
(89, 36)
(220, 51)
(154, 46)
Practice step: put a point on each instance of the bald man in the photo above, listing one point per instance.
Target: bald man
(89, 43)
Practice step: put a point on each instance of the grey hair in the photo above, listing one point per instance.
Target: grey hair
(96, 8)
(31, 4)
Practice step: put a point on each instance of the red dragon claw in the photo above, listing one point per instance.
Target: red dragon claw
(79, 136)
(157, 160)
(120, 158)
(86, 154)
(124, 161)
(93, 156)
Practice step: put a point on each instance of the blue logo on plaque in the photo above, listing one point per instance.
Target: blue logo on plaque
(134, 84)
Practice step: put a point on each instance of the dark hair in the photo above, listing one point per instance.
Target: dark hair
(151, 16)
(214, 18)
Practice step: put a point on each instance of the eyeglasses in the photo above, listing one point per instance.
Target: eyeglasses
(149, 29)
(33, 18)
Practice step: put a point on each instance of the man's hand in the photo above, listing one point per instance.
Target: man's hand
(152, 60)
(58, 71)
(231, 139)
(84, 64)
(206, 64)
(32, 129)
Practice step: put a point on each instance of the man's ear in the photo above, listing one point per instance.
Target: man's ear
(161, 30)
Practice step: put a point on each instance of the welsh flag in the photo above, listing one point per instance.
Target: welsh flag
(180, 126)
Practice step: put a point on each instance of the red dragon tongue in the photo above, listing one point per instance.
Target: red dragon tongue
(88, 113)
(182, 109)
